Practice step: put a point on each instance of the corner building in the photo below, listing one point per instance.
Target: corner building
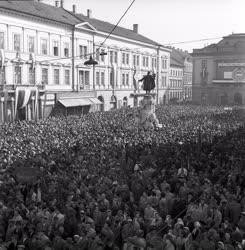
(43, 51)
(219, 72)
(180, 77)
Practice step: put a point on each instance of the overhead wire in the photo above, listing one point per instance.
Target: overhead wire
(110, 33)
(193, 41)
(165, 45)
(92, 53)
(117, 23)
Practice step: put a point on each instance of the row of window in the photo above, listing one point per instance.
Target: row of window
(175, 83)
(125, 60)
(56, 76)
(125, 79)
(188, 92)
(100, 78)
(188, 67)
(174, 72)
(83, 51)
(187, 79)
(177, 95)
(17, 76)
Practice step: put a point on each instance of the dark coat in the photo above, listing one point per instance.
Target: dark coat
(148, 82)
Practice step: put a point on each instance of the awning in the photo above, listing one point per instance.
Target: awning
(75, 102)
(95, 101)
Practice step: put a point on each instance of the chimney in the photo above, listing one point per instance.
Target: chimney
(89, 13)
(62, 3)
(74, 8)
(56, 3)
(136, 28)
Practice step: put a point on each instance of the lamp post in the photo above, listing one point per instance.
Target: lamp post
(92, 62)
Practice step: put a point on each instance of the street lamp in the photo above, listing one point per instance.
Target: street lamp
(92, 62)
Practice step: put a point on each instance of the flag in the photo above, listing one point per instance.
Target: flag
(23, 96)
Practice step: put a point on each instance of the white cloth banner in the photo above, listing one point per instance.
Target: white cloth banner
(28, 91)
(27, 95)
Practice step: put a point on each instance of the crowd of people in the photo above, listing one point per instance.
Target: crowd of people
(102, 184)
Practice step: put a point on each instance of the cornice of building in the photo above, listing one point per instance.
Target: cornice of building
(33, 18)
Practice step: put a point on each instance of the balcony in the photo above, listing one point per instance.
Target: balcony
(12, 87)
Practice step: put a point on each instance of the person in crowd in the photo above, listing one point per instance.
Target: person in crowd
(100, 186)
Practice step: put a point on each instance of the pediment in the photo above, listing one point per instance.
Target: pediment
(86, 25)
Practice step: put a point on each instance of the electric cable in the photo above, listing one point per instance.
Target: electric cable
(92, 53)
(193, 41)
(165, 45)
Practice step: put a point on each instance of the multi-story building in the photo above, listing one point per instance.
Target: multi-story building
(187, 80)
(176, 80)
(180, 77)
(219, 72)
(43, 51)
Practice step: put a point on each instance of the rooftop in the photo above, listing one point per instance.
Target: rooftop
(175, 63)
(40, 10)
(107, 27)
(60, 15)
(234, 43)
(178, 57)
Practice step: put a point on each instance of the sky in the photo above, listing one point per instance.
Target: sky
(171, 21)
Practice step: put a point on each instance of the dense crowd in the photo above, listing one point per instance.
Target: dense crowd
(105, 184)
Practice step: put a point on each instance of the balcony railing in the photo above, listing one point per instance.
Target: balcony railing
(12, 87)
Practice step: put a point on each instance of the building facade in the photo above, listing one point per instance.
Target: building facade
(176, 81)
(219, 72)
(43, 51)
(180, 76)
(187, 80)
